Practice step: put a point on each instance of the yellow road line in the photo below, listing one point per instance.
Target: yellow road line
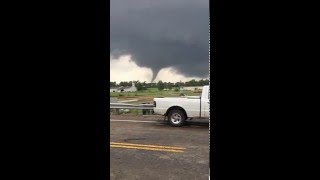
(145, 148)
(145, 145)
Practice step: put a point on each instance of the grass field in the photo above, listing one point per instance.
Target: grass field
(147, 96)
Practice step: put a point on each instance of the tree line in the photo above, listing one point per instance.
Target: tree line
(160, 84)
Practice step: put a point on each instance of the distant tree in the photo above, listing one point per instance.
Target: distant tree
(140, 86)
(160, 85)
(113, 84)
(125, 83)
(201, 82)
(170, 85)
(165, 85)
(179, 84)
(153, 85)
(193, 82)
(122, 83)
(206, 82)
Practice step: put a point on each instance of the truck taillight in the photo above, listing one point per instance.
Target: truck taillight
(154, 103)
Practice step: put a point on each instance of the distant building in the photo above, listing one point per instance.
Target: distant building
(132, 88)
(113, 89)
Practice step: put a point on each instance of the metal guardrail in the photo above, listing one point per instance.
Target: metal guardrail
(130, 106)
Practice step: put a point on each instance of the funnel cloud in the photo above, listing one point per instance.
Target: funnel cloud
(162, 33)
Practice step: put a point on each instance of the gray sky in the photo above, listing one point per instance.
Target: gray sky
(161, 39)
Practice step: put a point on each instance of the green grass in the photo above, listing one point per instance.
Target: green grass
(154, 92)
(135, 111)
(147, 96)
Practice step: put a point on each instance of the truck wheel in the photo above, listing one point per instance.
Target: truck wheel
(176, 117)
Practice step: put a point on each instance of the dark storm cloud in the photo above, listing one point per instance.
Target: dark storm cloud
(162, 33)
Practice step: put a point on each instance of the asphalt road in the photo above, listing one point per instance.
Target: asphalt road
(149, 148)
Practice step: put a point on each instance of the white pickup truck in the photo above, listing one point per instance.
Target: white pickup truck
(178, 110)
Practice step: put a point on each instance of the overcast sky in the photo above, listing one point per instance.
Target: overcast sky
(163, 39)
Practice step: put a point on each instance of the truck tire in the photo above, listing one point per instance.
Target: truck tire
(177, 117)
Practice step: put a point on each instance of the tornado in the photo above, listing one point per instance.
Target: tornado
(160, 34)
